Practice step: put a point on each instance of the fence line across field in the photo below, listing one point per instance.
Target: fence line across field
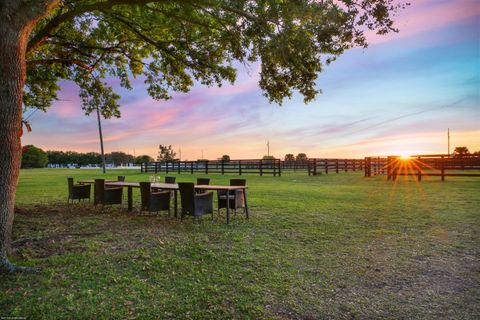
(261, 167)
(441, 165)
(233, 167)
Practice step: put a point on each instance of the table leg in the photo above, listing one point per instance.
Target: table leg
(130, 199)
(175, 197)
(95, 199)
(246, 205)
(228, 207)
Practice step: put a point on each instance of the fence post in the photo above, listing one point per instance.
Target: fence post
(389, 167)
(419, 169)
(279, 168)
(315, 167)
(366, 167)
(261, 167)
(239, 167)
(206, 166)
(336, 165)
(191, 167)
(223, 166)
(156, 169)
(443, 168)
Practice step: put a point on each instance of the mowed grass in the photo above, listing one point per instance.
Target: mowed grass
(331, 246)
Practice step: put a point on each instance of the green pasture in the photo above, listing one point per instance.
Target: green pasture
(331, 246)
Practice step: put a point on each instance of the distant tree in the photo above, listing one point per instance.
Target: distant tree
(33, 157)
(268, 158)
(460, 152)
(143, 158)
(301, 157)
(289, 157)
(91, 158)
(118, 157)
(166, 153)
(226, 158)
(56, 157)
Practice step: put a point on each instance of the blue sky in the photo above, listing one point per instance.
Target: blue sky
(398, 96)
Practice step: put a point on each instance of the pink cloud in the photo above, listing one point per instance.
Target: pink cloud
(426, 15)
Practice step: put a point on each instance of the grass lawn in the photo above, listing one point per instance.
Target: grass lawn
(331, 246)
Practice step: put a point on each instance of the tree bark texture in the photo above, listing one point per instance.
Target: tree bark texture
(16, 23)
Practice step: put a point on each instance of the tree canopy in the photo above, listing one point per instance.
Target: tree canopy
(173, 44)
(33, 157)
(166, 153)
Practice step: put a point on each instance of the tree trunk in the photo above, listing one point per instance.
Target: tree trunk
(17, 19)
(13, 41)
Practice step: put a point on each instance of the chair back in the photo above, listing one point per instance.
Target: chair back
(121, 178)
(170, 180)
(70, 185)
(238, 182)
(187, 195)
(99, 190)
(203, 181)
(145, 194)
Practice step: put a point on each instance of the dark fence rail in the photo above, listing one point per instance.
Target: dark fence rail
(375, 165)
(233, 167)
(433, 165)
(319, 166)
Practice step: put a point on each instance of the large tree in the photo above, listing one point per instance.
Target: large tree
(170, 44)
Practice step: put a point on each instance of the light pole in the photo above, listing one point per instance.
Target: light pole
(101, 140)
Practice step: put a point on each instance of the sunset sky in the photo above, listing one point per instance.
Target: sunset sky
(398, 96)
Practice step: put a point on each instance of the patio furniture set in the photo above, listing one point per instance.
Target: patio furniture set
(196, 199)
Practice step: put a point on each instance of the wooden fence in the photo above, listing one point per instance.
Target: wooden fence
(319, 166)
(232, 167)
(433, 165)
(375, 165)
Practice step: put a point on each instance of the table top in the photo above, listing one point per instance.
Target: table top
(91, 181)
(168, 186)
(217, 187)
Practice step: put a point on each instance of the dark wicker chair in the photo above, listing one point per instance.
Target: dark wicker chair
(170, 180)
(235, 197)
(107, 195)
(121, 178)
(154, 201)
(77, 191)
(194, 204)
(203, 182)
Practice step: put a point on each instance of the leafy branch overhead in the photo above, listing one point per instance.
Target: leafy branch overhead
(172, 44)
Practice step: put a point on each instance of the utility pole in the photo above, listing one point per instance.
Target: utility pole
(101, 140)
(202, 154)
(268, 148)
(448, 136)
(179, 154)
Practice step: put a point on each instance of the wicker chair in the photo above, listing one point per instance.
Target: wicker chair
(106, 195)
(121, 178)
(235, 197)
(154, 201)
(77, 191)
(194, 204)
(202, 182)
(170, 180)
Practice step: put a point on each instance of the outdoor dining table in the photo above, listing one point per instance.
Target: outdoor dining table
(228, 189)
(173, 187)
